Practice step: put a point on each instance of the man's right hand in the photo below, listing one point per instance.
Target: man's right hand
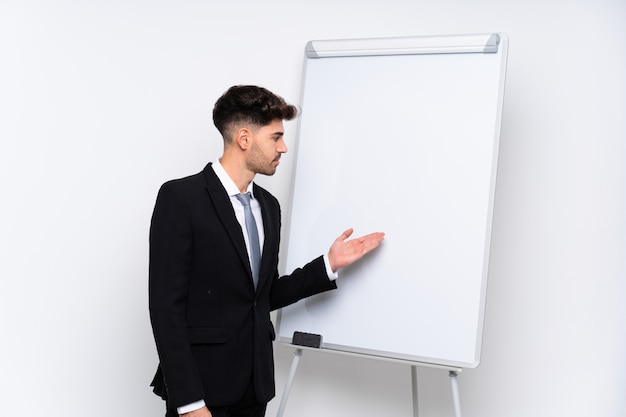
(200, 412)
(344, 252)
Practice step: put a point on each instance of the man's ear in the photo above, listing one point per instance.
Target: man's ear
(242, 137)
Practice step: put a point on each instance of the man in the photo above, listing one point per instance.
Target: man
(210, 294)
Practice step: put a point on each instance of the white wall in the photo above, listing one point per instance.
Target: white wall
(102, 101)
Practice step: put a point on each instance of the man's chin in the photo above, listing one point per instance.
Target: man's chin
(269, 172)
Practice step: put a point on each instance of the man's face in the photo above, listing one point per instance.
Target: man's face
(266, 147)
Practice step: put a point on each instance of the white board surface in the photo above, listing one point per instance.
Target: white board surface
(405, 144)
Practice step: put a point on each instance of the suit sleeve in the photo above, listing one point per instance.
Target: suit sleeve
(169, 271)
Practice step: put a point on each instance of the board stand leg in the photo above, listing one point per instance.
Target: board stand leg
(292, 372)
(297, 354)
(416, 410)
(455, 393)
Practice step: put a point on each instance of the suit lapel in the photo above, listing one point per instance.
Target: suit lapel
(226, 214)
(270, 241)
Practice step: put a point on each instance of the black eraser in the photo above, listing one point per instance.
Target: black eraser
(307, 339)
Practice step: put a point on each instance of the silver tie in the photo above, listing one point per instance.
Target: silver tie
(253, 237)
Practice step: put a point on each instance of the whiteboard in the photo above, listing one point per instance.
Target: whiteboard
(398, 135)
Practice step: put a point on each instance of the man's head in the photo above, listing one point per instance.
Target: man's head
(250, 106)
(250, 120)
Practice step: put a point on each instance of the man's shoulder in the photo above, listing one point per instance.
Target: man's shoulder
(184, 188)
(183, 181)
(189, 180)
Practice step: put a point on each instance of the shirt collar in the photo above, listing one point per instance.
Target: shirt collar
(227, 182)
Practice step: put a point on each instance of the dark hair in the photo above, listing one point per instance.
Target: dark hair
(252, 105)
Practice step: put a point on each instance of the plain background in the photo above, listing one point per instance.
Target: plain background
(102, 101)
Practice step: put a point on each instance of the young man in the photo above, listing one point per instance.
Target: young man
(213, 267)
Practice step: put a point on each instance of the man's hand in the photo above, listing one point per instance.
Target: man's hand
(345, 252)
(200, 412)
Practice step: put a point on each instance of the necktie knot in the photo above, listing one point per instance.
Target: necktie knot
(244, 198)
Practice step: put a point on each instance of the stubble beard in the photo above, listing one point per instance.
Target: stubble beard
(257, 164)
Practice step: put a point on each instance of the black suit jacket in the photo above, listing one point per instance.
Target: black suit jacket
(212, 329)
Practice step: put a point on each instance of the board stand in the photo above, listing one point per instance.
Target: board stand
(453, 374)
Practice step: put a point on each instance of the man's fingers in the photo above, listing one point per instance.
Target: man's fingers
(372, 241)
(346, 234)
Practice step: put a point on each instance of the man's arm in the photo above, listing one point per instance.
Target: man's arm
(343, 252)
(169, 270)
